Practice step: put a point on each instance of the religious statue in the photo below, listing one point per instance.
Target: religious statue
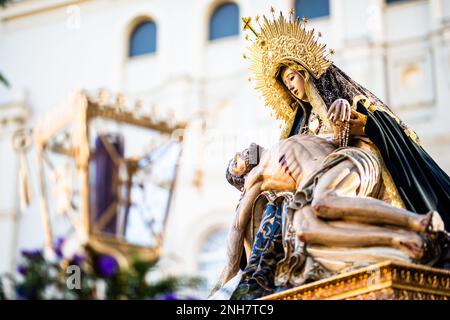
(335, 203)
(349, 182)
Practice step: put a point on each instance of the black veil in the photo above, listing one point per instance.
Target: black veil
(422, 184)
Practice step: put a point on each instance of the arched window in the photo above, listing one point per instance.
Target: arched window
(143, 39)
(312, 8)
(212, 256)
(224, 21)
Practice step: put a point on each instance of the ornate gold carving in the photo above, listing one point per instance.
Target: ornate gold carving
(383, 281)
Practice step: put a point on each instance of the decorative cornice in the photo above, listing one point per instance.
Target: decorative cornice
(22, 9)
(14, 114)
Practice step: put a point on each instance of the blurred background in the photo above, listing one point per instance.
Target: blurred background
(187, 57)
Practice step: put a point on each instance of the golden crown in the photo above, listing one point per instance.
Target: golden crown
(279, 42)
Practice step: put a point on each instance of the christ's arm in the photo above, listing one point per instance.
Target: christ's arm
(237, 232)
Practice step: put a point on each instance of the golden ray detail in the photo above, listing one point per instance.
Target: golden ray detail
(280, 41)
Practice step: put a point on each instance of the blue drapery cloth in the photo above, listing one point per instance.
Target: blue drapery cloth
(258, 277)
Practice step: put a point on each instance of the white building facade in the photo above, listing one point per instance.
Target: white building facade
(400, 50)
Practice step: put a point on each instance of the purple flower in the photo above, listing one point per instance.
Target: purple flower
(169, 296)
(58, 247)
(107, 266)
(173, 296)
(32, 254)
(22, 269)
(77, 259)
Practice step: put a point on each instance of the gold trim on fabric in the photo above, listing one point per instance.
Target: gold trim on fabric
(319, 107)
(287, 127)
(373, 107)
(390, 193)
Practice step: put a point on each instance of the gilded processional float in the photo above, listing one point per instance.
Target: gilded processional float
(106, 173)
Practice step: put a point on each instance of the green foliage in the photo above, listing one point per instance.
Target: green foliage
(3, 80)
(132, 284)
(2, 292)
(39, 278)
(3, 3)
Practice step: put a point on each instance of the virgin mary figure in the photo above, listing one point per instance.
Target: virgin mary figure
(311, 95)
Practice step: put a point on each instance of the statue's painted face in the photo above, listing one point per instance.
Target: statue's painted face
(238, 165)
(294, 81)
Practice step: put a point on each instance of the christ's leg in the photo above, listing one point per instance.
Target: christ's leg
(335, 197)
(312, 230)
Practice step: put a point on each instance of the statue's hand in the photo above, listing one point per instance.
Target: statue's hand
(357, 123)
(340, 111)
